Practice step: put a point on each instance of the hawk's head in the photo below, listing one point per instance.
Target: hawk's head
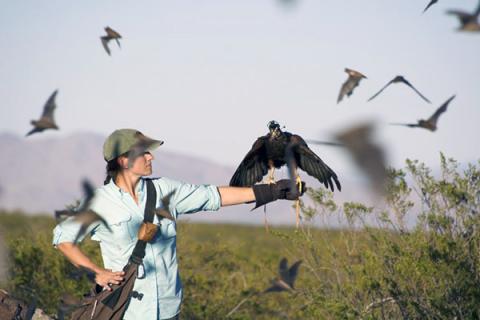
(274, 128)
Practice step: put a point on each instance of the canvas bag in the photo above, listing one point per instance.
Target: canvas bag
(101, 304)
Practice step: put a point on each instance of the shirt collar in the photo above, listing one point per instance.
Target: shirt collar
(139, 188)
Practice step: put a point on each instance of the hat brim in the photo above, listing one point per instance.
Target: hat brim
(154, 144)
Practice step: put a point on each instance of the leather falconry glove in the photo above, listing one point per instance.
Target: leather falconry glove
(265, 193)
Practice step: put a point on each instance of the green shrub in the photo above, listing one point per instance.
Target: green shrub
(37, 270)
(384, 269)
(414, 256)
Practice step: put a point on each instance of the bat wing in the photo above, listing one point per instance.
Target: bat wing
(274, 288)
(464, 17)
(380, 91)
(326, 143)
(105, 41)
(293, 273)
(163, 212)
(368, 156)
(347, 87)
(49, 107)
(89, 220)
(411, 125)
(283, 268)
(415, 89)
(89, 193)
(34, 130)
(431, 3)
(440, 110)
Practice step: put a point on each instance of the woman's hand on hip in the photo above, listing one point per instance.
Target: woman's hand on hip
(107, 277)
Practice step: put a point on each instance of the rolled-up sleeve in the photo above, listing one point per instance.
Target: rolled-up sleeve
(67, 231)
(190, 198)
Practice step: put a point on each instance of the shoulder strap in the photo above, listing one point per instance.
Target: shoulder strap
(151, 202)
(139, 251)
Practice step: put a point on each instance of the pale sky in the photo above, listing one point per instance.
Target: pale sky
(206, 76)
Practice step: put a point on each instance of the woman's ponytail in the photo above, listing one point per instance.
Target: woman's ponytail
(112, 169)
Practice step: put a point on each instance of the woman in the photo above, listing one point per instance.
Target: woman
(121, 203)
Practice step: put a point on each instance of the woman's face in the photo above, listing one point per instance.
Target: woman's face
(141, 165)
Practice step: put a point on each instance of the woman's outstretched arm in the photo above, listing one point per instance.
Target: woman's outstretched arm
(236, 195)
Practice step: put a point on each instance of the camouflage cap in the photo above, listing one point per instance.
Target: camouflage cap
(122, 141)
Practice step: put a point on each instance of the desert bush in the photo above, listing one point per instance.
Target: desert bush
(415, 255)
(37, 271)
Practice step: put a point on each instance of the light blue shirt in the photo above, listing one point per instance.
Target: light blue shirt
(161, 287)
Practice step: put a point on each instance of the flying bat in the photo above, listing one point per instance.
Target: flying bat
(163, 211)
(46, 121)
(399, 79)
(287, 277)
(83, 214)
(350, 84)
(368, 155)
(468, 21)
(111, 35)
(430, 123)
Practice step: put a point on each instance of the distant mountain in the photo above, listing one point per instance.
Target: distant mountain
(39, 175)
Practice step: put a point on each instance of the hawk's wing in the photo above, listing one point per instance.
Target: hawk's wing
(309, 162)
(253, 167)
